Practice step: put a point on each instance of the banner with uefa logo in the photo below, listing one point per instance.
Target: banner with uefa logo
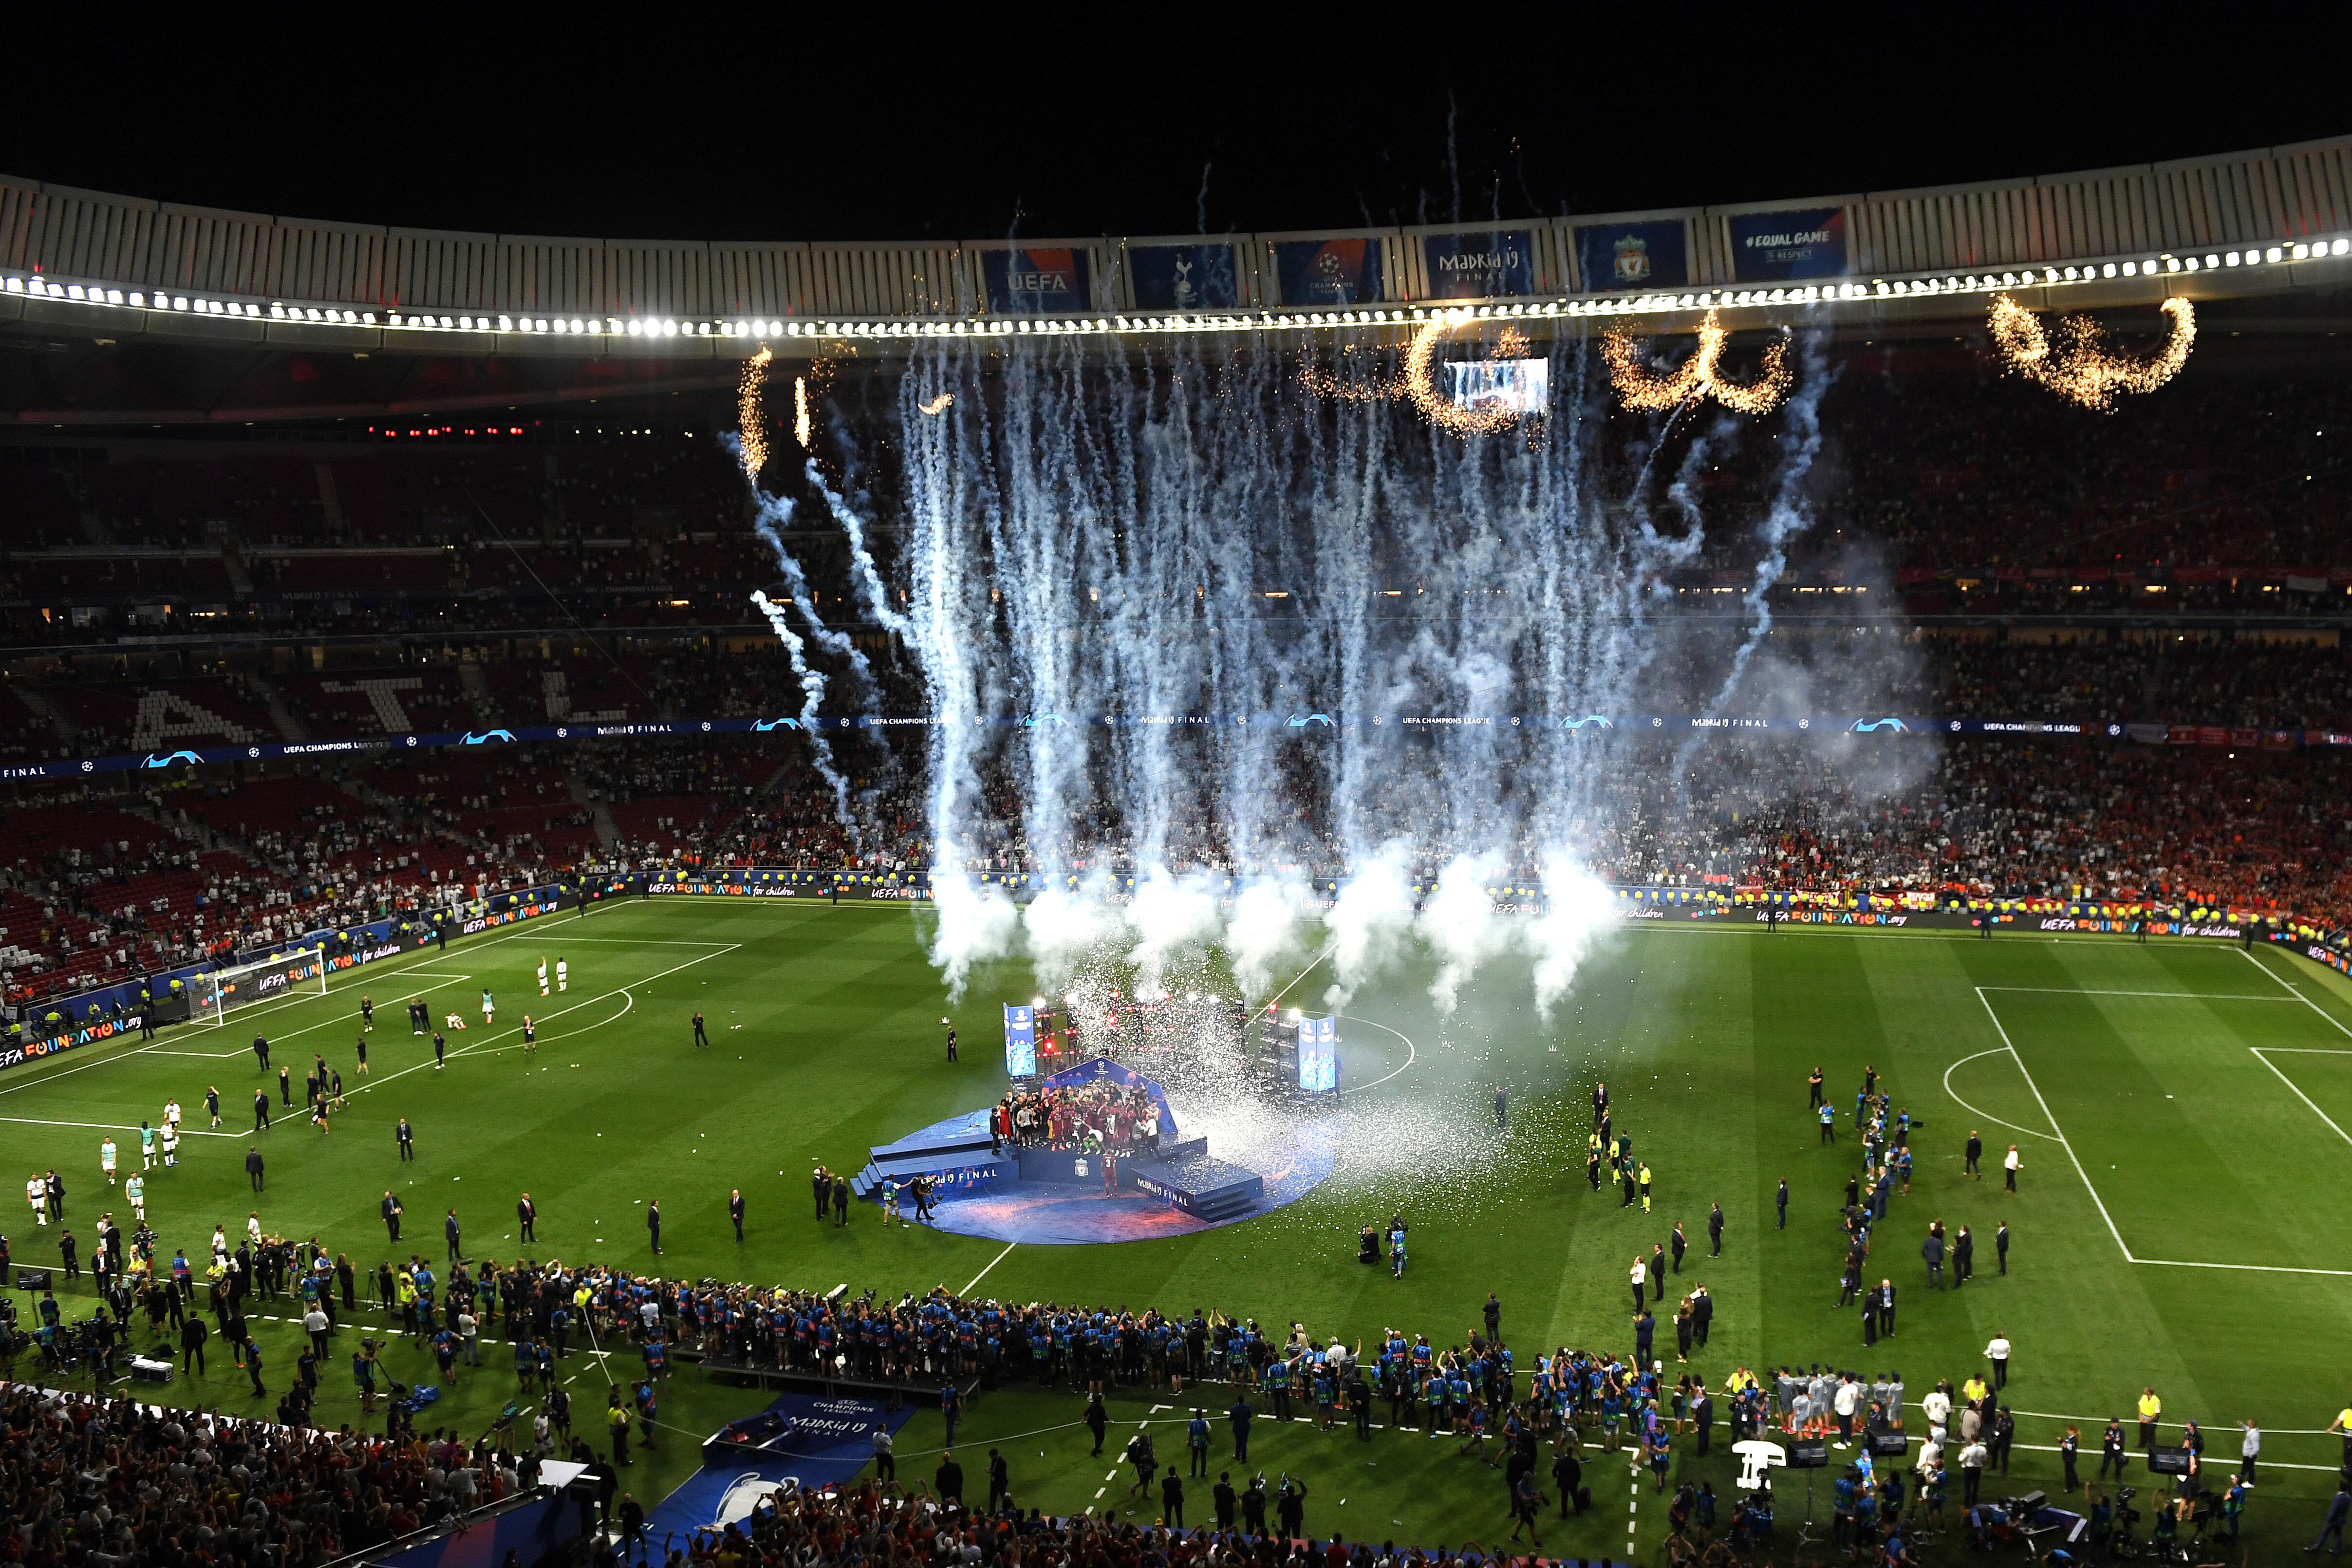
(1036, 282)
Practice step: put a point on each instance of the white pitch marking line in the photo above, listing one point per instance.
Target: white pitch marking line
(984, 1274)
(2295, 991)
(2101, 1203)
(2054, 1127)
(2175, 995)
(112, 1127)
(1997, 1122)
(2298, 1092)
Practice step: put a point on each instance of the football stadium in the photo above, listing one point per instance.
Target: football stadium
(1208, 897)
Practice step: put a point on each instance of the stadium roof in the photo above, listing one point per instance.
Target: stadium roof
(606, 316)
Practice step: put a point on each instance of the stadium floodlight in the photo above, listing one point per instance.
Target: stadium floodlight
(215, 994)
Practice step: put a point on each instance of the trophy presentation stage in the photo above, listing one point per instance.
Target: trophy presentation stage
(1040, 1194)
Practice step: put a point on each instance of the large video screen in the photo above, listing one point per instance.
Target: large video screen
(1520, 387)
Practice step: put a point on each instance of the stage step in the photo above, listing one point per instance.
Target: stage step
(956, 1151)
(1199, 1183)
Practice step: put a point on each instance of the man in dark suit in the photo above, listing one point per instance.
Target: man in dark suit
(1658, 1270)
(1887, 1307)
(1703, 1412)
(1715, 1231)
(1702, 1314)
(1932, 1251)
(653, 1226)
(527, 1215)
(390, 1209)
(1976, 1153)
(2000, 1245)
(253, 1167)
(1782, 1203)
(948, 1479)
(735, 1211)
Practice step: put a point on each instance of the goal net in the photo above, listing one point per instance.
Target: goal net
(214, 995)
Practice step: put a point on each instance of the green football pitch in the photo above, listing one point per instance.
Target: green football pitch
(2184, 1219)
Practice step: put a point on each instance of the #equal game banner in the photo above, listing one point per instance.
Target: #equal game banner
(1488, 266)
(1328, 271)
(1797, 242)
(1183, 276)
(1631, 257)
(1036, 282)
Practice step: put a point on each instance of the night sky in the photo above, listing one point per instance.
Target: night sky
(984, 123)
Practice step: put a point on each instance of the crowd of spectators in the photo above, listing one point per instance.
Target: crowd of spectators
(115, 1482)
(1942, 487)
(98, 884)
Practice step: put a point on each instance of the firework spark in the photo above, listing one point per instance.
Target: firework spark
(2079, 368)
(801, 411)
(750, 414)
(1415, 385)
(1700, 375)
(1436, 406)
(937, 405)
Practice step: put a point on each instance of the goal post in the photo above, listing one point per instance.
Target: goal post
(215, 994)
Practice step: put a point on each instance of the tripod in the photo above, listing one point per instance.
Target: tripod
(1805, 1532)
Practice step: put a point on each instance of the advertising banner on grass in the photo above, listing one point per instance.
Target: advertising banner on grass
(1328, 271)
(1633, 257)
(1796, 242)
(1036, 282)
(804, 1440)
(1489, 265)
(1183, 276)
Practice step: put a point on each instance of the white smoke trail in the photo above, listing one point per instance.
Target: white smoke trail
(1578, 913)
(1065, 928)
(976, 925)
(870, 586)
(1266, 926)
(1459, 923)
(1791, 514)
(1371, 918)
(812, 699)
(1171, 916)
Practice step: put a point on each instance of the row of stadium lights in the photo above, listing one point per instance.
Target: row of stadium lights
(38, 287)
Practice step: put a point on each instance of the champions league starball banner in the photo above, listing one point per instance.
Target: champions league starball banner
(1318, 1055)
(1036, 282)
(1183, 276)
(1633, 257)
(1800, 242)
(1019, 1041)
(1480, 266)
(1328, 271)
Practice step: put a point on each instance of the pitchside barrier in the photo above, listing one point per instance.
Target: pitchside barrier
(112, 1011)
